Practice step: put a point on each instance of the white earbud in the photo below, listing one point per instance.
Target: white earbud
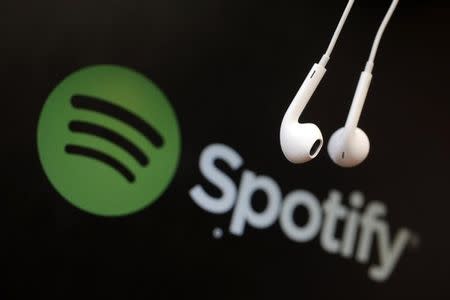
(302, 142)
(349, 146)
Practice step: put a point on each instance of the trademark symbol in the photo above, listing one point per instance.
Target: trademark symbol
(217, 233)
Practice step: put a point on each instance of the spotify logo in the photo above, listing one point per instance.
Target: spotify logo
(108, 140)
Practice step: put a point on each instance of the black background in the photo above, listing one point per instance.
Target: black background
(230, 69)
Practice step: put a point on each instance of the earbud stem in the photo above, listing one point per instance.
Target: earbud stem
(357, 105)
(305, 93)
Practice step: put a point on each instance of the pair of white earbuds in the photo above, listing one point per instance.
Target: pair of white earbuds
(349, 145)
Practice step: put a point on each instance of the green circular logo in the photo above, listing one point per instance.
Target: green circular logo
(108, 140)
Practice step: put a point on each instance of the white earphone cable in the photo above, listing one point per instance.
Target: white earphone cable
(336, 34)
(379, 35)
